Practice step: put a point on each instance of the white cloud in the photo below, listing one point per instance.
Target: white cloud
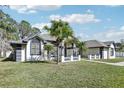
(108, 19)
(113, 5)
(41, 25)
(26, 9)
(77, 18)
(110, 35)
(82, 36)
(122, 28)
(89, 11)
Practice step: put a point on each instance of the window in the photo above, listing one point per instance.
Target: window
(112, 52)
(35, 47)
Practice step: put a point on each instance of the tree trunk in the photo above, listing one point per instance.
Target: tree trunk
(57, 54)
(48, 55)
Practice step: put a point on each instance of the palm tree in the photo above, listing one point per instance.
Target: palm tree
(61, 30)
(81, 47)
(49, 48)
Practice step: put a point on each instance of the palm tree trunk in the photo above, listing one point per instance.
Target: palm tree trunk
(48, 55)
(57, 54)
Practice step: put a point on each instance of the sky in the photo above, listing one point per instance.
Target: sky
(89, 22)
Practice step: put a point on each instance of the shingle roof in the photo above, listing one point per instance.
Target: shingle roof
(108, 43)
(94, 43)
(46, 37)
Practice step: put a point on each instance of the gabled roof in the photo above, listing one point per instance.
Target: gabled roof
(45, 37)
(108, 43)
(94, 44)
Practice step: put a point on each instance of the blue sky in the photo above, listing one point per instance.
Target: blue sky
(88, 22)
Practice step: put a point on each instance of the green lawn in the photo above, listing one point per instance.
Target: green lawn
(112, 60)
(76, 74)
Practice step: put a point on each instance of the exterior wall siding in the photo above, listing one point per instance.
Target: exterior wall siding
(111, 46)
(30, 57)
(23, 52)
(105, 53)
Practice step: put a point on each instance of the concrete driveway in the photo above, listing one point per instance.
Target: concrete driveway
(115, 64)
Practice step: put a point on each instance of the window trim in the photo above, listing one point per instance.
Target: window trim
(35, 48)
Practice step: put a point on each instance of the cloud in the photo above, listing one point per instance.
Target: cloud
(122, 28)
(41, 25)
(77, 18)
(113, 5)
(89, 11)
(26, 9)
(108, 19)
(109, 35)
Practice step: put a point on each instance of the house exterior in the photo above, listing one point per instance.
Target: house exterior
(32, 49)
(100, 50)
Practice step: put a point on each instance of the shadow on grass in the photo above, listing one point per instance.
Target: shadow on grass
(7, 60)
(10, 60)
(48, 62)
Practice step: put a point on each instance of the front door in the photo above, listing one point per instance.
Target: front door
(101, 53)
(18, 53)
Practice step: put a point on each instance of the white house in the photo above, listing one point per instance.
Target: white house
(100, 50)
(32, 49)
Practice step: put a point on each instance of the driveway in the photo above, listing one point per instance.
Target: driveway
(115, 64)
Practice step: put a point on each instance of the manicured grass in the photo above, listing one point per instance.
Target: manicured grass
(112, 60)
(75, 74)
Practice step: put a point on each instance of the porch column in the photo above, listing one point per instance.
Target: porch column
(89, 56)
(62, 54)
(71, 57)
(79, 57)
(73, 49)
(95, 56)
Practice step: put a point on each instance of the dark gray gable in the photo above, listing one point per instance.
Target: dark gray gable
(108, 43)
(94, 44)
(43, 37)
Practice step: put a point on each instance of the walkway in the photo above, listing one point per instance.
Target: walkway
(115, 64)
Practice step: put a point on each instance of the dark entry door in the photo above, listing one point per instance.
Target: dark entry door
(18, 53)
(101, 50)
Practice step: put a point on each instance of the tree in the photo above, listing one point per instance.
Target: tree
(61, 30)
(8, 31)
(81, 47)
(49, 48)
(4, 45)
(24, 29)
(35, 30)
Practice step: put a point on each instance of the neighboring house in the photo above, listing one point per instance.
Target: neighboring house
(117, 46)
(100, 50)
(32, 49)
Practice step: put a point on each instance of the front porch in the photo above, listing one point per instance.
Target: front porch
(69, 53)
(70, 59)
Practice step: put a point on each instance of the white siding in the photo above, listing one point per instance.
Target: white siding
(23, 53)
(28, 54)
(105, 53)
(109, 52)
(28, 51)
